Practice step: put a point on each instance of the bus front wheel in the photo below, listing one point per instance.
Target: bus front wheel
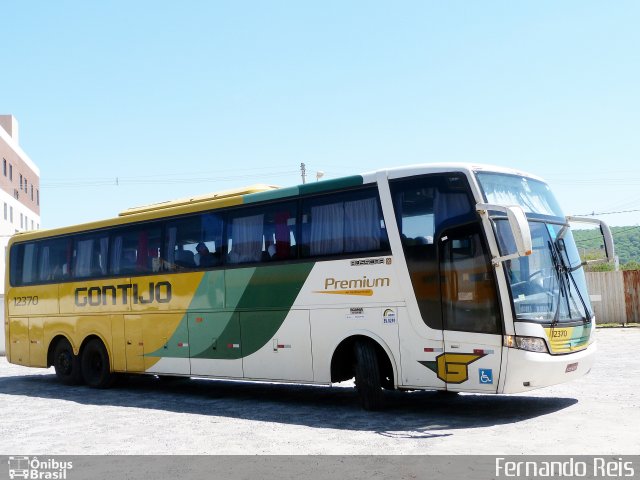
(367, 373)
(96, 370)
(66, 364)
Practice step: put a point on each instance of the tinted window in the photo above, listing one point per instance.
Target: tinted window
(469, 295)
(262, 234)
(343, 223)
(41, 262)
(194, 242)
(90, 255)
(136, 250)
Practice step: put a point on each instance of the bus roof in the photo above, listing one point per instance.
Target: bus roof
(237, 192)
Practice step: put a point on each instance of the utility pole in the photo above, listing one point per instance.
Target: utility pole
(303, 172)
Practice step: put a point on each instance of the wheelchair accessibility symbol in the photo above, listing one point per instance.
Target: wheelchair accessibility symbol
(486, 376)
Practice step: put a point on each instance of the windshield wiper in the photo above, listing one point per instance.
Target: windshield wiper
(562, 282)
(566, 272)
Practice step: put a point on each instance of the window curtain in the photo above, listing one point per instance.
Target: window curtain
(361, 225)
(449, 205)
(327, 229)
(246, 239)
(116, 255)
(83, 258)
(212, 231)
(171, 245)
(282, 235)
(104, 254)
(143, 251)
(45, 264)
(28, 262)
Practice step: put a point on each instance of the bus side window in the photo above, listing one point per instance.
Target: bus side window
(279, 233)
(245, 238)
(53, 264)
(135, 250)
(91, 254)
(337, 224)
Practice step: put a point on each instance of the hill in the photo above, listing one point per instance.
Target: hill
(626, 240)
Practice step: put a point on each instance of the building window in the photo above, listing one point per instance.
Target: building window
(4, 166)
(21, 221)
(20, 181)
(26, 185)
(10, 172)
(32, 192)
(11, 214)
(5, 211)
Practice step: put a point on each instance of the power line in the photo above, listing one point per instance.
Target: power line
(163, 179)
(593, 214)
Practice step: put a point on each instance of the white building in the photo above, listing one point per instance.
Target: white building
(19, 195)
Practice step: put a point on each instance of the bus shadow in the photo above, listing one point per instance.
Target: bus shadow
(407, 414)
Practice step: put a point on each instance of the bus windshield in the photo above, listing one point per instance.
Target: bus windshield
(532, 195)
(548, 286)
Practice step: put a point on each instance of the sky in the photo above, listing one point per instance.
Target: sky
(127, 103)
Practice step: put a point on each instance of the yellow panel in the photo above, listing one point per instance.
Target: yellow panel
(34, 300)
(76, 328)
(59, 325)
(118, 351)
(37, 350)
(161, 293)
(19, 340)
(99, 325)
(134, 347)
(96, 296)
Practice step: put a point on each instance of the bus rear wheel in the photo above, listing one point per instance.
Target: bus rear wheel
(367, 373)
(96, 370)
(66, 364)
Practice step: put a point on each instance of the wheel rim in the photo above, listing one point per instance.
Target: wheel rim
(64, 362)
(96, 363)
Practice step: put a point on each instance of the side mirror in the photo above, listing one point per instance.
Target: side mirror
(605, 231)
(519, 228)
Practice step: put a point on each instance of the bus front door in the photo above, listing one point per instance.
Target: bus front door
(472, 324)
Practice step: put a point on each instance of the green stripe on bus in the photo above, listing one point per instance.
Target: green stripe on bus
(256, 306)
(271, 195)
(335, 184)
(305, 189)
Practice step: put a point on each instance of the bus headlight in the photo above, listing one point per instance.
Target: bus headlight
(530, 344)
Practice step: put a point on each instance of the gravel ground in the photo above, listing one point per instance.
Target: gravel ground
(596, 415)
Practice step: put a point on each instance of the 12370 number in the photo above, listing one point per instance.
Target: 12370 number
(25, 301)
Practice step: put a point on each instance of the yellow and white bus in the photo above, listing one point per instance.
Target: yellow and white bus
(446, 276)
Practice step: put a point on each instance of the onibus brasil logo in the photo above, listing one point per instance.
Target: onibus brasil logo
(34, 468)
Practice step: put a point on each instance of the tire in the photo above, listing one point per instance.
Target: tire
(367, 373)
(96, 370)
(66, 364)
